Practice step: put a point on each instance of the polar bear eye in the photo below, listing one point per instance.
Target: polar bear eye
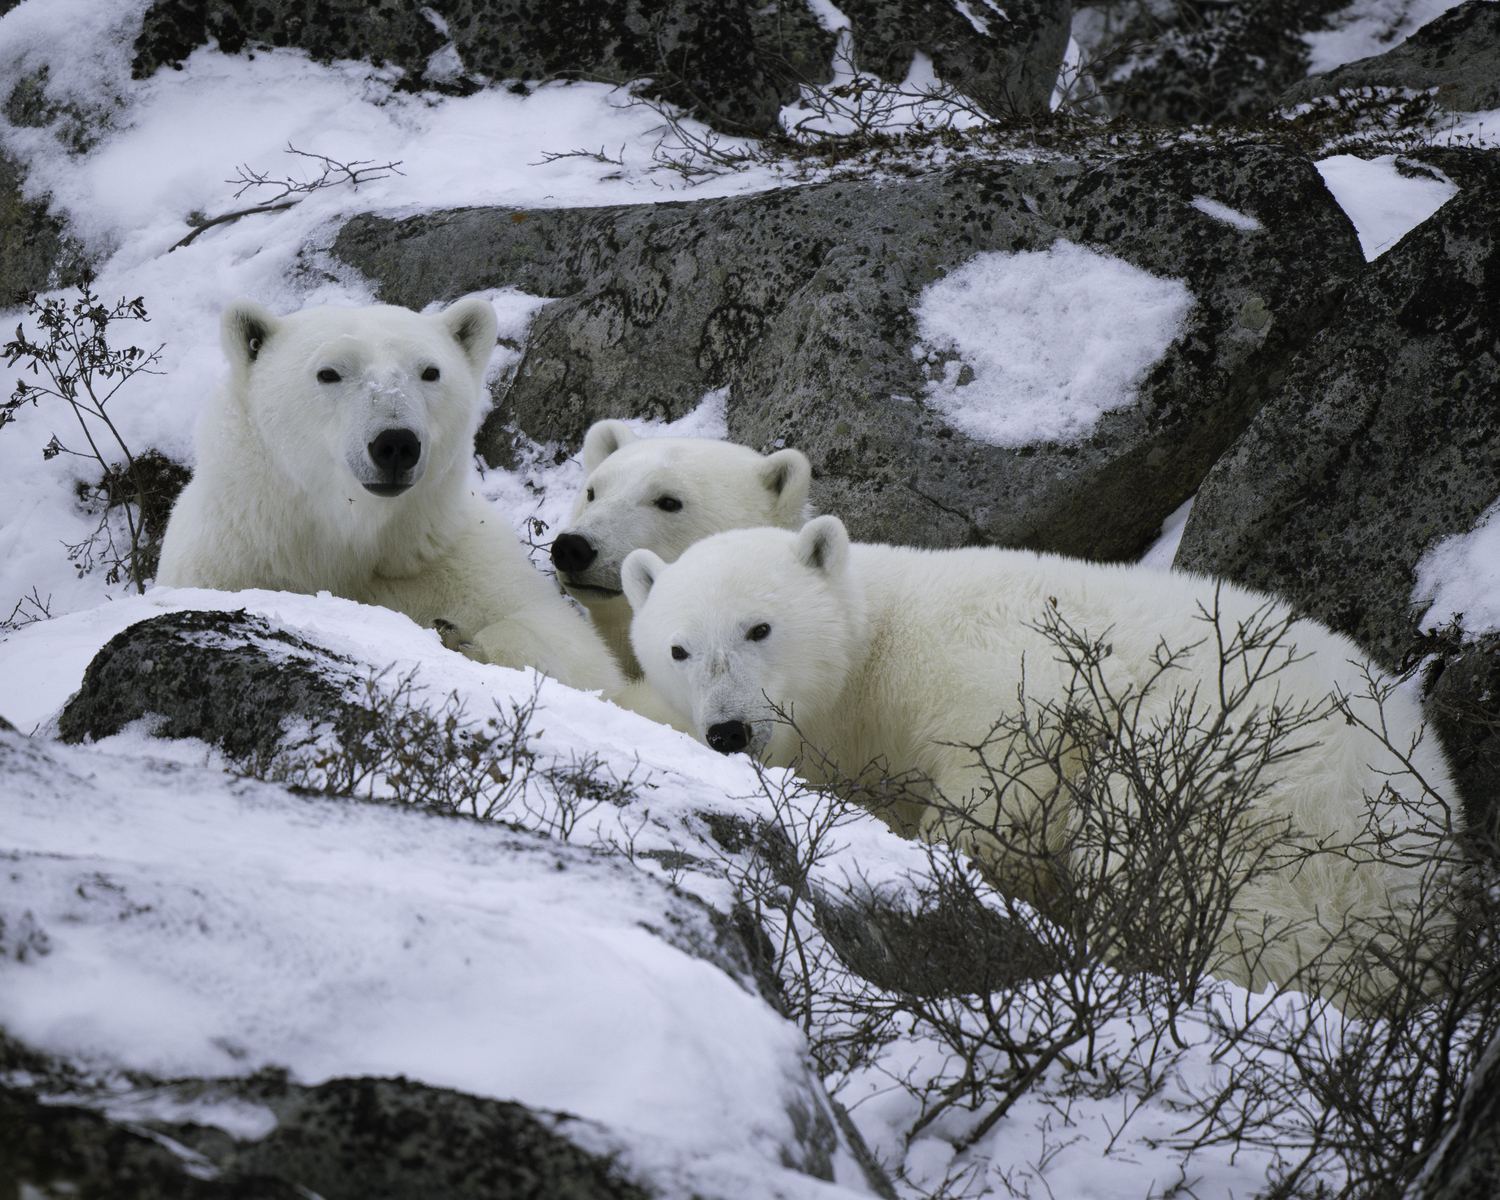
(759, 634)
(328, 375)
(430, 375)
(669, 504)
(590, 493)
(679, 653)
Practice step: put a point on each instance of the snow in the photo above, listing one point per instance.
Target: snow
(1383, 204)
(1159, 557)
(1460, 577)
(1368, 27)
(1052, 339)
(1244, 222)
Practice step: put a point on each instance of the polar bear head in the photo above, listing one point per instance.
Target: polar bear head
(663, 494)
(361, 404)
(746, 623)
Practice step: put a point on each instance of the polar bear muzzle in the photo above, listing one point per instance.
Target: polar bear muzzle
(728, 737)
(396, 455)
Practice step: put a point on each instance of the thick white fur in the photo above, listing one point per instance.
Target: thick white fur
(279, 497)
(881, 652)
(720, 486)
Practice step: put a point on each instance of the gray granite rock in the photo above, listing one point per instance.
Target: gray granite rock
(799, 302)
(36, 251)
(1384, 438)
(1007, 64)
(1458, 53)
(347, 1139)
(227, 678)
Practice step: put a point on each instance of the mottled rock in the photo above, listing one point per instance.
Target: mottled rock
(1197, 61)
(348, 1139)
(735, 64)
(1458, 54)
(230, 679)
(1006, 62)
(1384, 438)
(1466, 1163)
(36, 251)
(799, 302)
(1463, 704)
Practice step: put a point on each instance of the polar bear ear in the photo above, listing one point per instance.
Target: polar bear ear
(602, 440)
(472, 323)
(787, 475)
(823, 545)
(244, 330)
(637, 573)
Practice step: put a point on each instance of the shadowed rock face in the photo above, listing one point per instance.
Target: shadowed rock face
(732, 63)
(348, 1139)
(799, 301)
(1458, 53)
(1466, 1164)
(1384, 438)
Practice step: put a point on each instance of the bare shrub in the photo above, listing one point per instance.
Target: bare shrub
(79, 366)
(1078, 950)
(395, 748)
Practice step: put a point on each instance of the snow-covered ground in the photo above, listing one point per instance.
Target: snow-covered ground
(334, 938)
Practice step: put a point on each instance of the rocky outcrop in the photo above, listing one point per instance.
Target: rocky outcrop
(800, 302)
(1466, 1163)
(347, 1139)
(734, 64)
(36, 251)
(1384, 438)
(1201, 61)
(227, 678)
(1458, 53)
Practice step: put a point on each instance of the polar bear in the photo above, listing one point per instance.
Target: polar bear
(897, 662)
(663, 494)
(338, 456)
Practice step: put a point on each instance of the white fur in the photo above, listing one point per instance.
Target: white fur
(885, 653)
(719, 485)
(280, 497)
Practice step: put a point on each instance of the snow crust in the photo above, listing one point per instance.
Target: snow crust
(1460, 577)
(1052, 340)
(1383, 204)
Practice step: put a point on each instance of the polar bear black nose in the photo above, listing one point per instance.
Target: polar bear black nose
(572, 552)
(728, 736)
(394, 452)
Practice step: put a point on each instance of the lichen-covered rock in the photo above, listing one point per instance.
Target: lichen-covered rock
(1384, 438)
(800, 301)
(1458, 53)
(36, 251)
(230, 679)
(1004, 57)
(734, 64)
(347, 1139)
(1199, 61)
(1463, 705)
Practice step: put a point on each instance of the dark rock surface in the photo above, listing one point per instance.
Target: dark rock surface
(1458, 53)
(1463, 704)
(1197, 61)
(348, 1139)
(1384, 439)
(799, 302)
(733, 63)
(36, 251)
(1009, 68)
(1466, 1163)
(230, 679)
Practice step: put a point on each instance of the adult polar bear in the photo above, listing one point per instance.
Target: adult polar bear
(908, 657)
(338, 456)
(663, 494)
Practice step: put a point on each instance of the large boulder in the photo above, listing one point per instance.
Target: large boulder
(1383, 439)
(1466, 1164)
(800, 302)
(37, 252)
(1458, 53)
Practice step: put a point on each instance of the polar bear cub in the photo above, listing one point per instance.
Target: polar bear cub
(338, 456)
(907, 657)
(663, 494)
